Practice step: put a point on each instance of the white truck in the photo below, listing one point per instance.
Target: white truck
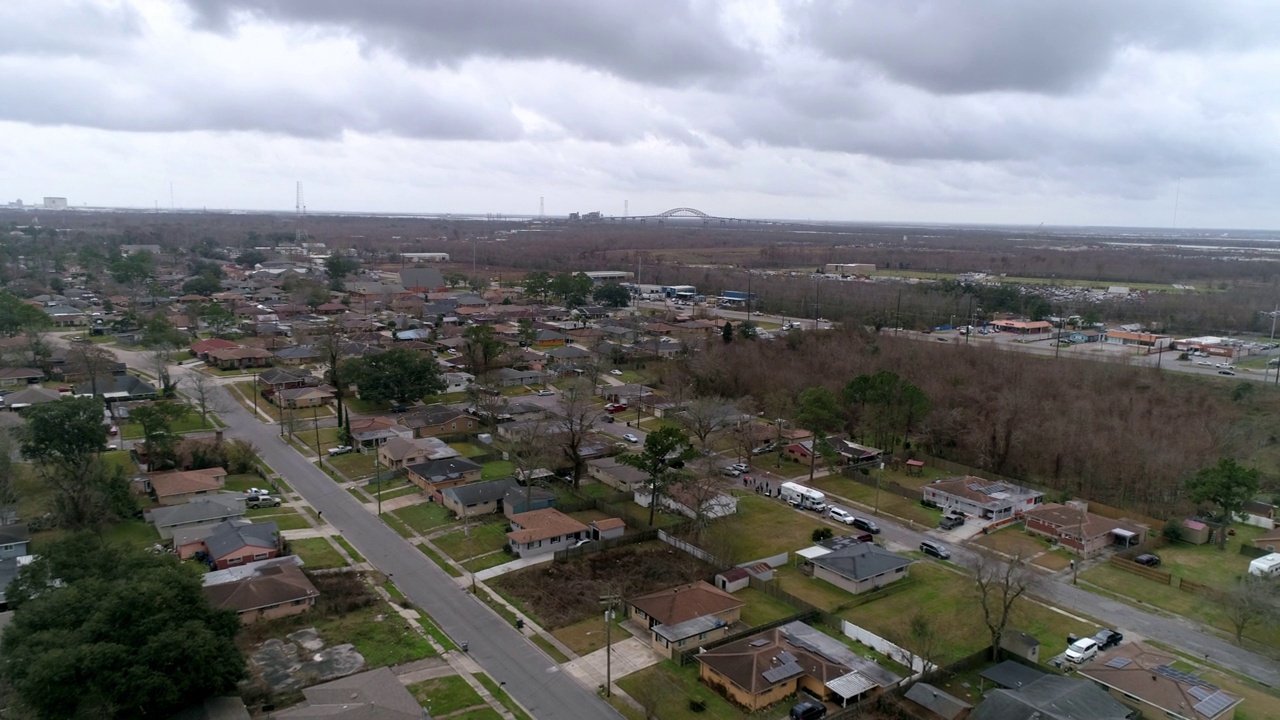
(804, 497)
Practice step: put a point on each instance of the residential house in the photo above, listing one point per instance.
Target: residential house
(34, 395)
(693, 500)
(20, 377)
(568, 354)
(400, 452)
(65, 315)
(1256, 513)
(615, 474)
(984, 499)
(271, 589)
(858, 567)
(625, 393)
(303, 397)
(477, 498)
(175, 488)
(297, 355)
(437, 420)
(118, 388)
(1146, 680)
(201, 349)
(331, 308)
(1072, 526)
(277, 379)
(374, 430)
(14, 541)
(932, 703)
(200, 511)
(852, 453)
(1051, 697)
(436, 474)
(373, 695)
(541, 532)
(366, 296)
(423, 280)
(523, 499)
(684, 616)
(763, 669)
(232, 543)
(550, 338)
(456, 382)
(1269, 541)
(659, 347)
(508, 377)
(238, 357)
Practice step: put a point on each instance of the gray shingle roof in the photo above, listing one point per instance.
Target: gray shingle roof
(1051, 698)
(200, 509)
(228, 537)
(861, 561)
(438, 470)
(481, 492)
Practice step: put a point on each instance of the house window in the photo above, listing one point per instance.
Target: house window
(555, 539)
(900, 570)
(260, 556)
(702, 636)
(235, 561)
(6, 548)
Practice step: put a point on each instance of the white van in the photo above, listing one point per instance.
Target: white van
(1082, 650)
(1267, 566)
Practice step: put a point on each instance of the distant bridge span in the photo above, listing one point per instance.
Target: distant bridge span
(682, 211)
(687, 212)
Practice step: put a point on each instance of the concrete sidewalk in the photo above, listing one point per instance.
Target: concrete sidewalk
(503, 569)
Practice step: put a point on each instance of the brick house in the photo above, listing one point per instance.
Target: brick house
(269, 589)
(1075, 528)
(434, 420)
(176, 488)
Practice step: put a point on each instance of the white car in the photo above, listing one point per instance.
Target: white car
(546, 393)
(631, 438)
(740, 467)
(841, 515)
(257, 491)
(615, 372)
(340, 450)
(1082, 651)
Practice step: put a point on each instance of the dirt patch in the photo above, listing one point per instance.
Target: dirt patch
(564, 593)
(285, 666)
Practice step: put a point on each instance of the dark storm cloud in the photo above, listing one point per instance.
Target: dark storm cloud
(1042, 47)
(668, 43)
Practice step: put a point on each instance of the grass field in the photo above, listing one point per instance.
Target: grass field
(435, 558)
(445, 695)
(497, 469)
(496, 691)
(1011, 541)
(819, 593)
(763, 527)
(467, 449)
(354, 465)
(317, 553)
(1207, 564)
(587, 636)
(666, 690)
(121, 459)
(134, 533)
(244, 394)
(481, 538)
(187, 424)
(761, 608)
(889, 503)
(485, 562)
(424, 517)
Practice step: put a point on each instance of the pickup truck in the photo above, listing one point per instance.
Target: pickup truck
(951, 522)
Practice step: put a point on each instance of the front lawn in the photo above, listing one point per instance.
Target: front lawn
(134, 533)
(763, 527)
(317, 553)
(818, 593)
(248, 393)
(587, 636)
(354, 465)
(122, 459)
(666, 691)
(478, 540)
(889, 503)
(424, 517)
(445, 695)
(1206, 564)
(1013, 540)
(188, 423)
(244, 481)
(467, 449)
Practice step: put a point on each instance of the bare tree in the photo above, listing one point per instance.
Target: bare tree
(8, 472)
(489, 403)
(1250, 601)
(204, 394)
(160, 365)
(578, 415)
(921, 637)
(91, 361)
(701, 488)
(529, 450)
(706, 416)
(999, 584)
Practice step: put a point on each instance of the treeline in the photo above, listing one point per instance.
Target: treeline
(1121, 435)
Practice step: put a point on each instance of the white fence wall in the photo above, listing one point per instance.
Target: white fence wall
(693, 550)
(888, 649)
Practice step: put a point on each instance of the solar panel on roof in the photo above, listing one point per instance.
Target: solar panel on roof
(1214, 704)
(782, 672)
(758, 643)
(1200, 692)
(1182, 677)
(1119, 662)
(786, 657)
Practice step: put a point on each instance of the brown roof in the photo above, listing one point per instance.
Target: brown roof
(542, 524)
(238, 353)
(608, 523)
(685, 602)
(1068, 518)
(1268, 536)
(269, 586)
(190, 481)
(1143, 672)
(372, 422)
(212, 344)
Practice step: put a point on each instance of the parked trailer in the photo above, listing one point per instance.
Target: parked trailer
(801, 496)
(1266, 566)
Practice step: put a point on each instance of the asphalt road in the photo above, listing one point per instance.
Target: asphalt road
(530, 676)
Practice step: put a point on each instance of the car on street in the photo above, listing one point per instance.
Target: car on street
(1226, 372)
(740, 467)
(340, 450)
(842, 515)
(729, 471)
(615, 372)
(1082, 651)
(615, 408)
(764, 449)
(1148, 559)
(1107, 639)
(936, 549)
(865, 524)
(609, 418)
(546, 393)
(630, 438)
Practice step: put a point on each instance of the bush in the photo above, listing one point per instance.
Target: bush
(823, 533)
(1172, 531)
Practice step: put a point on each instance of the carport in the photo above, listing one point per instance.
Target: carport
(1126, 538)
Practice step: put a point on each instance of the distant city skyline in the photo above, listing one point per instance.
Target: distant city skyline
(1088, 113)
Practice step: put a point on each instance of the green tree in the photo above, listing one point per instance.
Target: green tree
(527, 331)
(217, 318)
(537, 284)
(17, 317)
(482, 349)
(157, 419)
(110, 632)
(202, 285)
(250, 258)
(132, 271)
(398, 374)
(573, 290)
(159, 332)
(65, 440)
(338, 266)
(666, 450)
(1227, 485)
(611, 294)
(817, 411)
(726, 332)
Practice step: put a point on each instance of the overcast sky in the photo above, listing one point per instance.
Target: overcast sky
(1000, 111)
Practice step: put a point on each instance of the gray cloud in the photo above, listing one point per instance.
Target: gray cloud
(669, 43)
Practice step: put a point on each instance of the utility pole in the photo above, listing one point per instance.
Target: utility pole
(609, 601)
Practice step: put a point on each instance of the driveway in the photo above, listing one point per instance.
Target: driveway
(629, 656)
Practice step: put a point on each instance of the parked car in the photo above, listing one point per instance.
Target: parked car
(951, 522)
(842, 515)
(936, 549)
(740, 467)
(615, 372)
(546, 393)
(261, 501)
(399, 408)
(729, 471)
(808, 710)
(631, 438)
(1148, 559)
(1108, 638)
(609, 418)
(257, 491)
(1082, 651)
(764, 449)
(340, 450)
(865, 524)
(616, 408)
(580, 543)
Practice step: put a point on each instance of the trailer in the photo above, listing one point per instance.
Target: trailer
(803, 497)
(1267, 566)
